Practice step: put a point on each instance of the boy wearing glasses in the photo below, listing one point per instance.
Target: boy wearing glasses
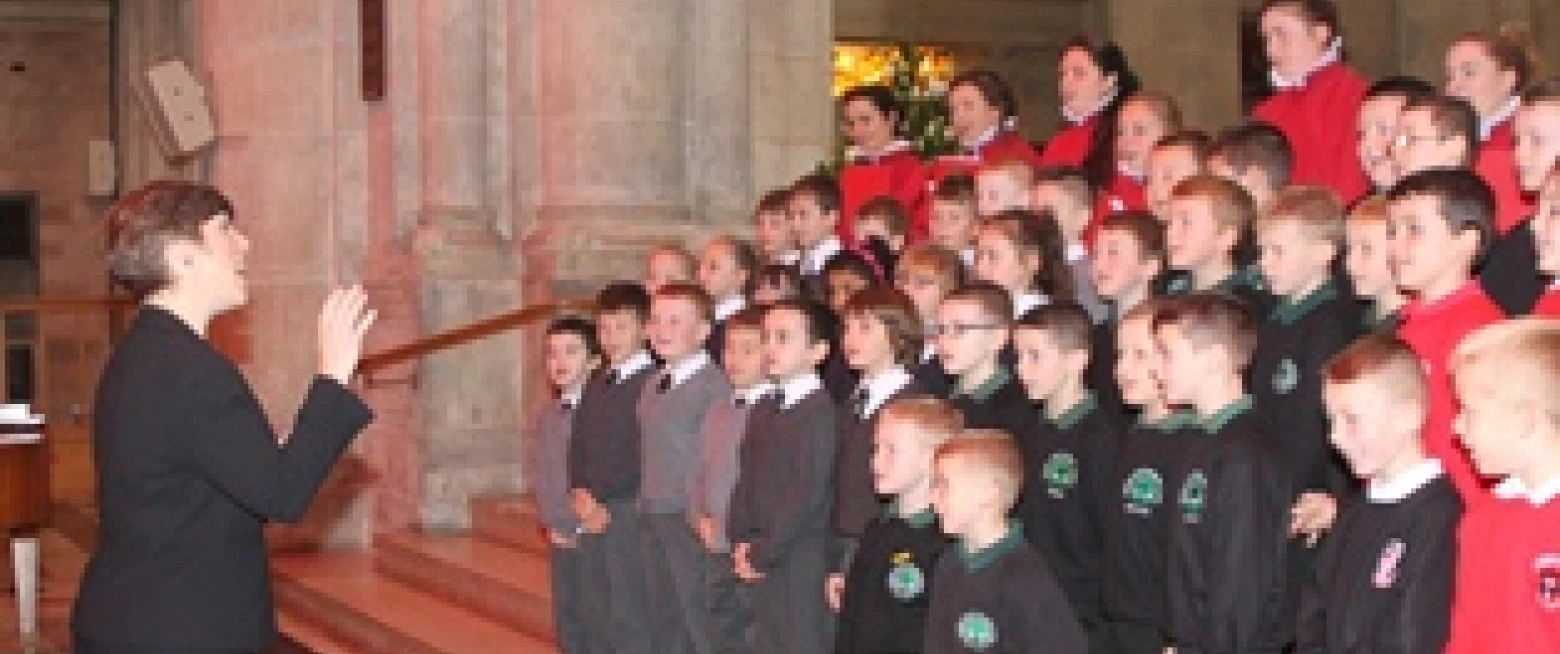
(972, 329)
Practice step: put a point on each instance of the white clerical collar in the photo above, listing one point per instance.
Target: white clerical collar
(1332, 55)
(1076, 252)
(1079, 119)
(1025, 302)
(682, 370)
(819, 254)
(632, 365)
(854, 152)
(1128, 172)
(1488, 124)
(794, 389)
(985, 139)
(1405, 484)
(881, 386)
(754, 393)
(729, 307)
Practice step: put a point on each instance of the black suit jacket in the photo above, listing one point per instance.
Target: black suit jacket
(189, 470)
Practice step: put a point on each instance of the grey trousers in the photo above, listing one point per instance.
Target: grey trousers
(569, 622)
(613, 593)
(674, 584)
(789, 615)
(730, 615)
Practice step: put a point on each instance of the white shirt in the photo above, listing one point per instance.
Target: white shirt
(928, 352)
(1405, 484)
(813, 261)
(1333, 54)
(789, 258)
(967, 255)
(880, 387)
(571, 396)
(1501, 115)
(1078, 119)
(1512, 488)
(1025, 302)
(729, 307)
(632, 365)
(1076, 252)
(796, 388)
(682, 370)
(753, 393)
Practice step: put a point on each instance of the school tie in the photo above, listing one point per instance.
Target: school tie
(665, 384)
(740, 401)
(859, 403)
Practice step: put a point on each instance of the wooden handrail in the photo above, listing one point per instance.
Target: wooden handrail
(48, 303)
(464, 334)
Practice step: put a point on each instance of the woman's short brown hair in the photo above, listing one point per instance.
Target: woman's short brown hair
(141, 224)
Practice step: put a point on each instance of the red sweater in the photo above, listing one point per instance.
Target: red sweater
(901, 175)
(1497, 164)
(1008, 144)
(1548, 304)
(1433, 331)
(1069, 146)
(1122, 194)
(1319, 120)
(1507, 594)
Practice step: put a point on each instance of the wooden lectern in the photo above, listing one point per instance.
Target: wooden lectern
(24, 510)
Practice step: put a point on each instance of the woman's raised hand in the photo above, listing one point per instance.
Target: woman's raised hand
(344, 320)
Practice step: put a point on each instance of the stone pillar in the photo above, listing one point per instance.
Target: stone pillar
(720, 141)
(791, 72)
(1189, 49)
(1427, 27)
(149, 32)
(467, 266)
(291, 154)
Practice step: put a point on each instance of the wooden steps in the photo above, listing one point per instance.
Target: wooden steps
(486, 592)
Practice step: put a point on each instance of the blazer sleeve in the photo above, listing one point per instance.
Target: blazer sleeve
(811, 489)
(1247, 537)
(231, 444)
(1424, 616)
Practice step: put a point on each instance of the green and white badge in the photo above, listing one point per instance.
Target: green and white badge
(977, 631)
(1061, 474)
(1193, 498)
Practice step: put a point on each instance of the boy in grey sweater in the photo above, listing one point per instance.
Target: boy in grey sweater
(671, 412)
(572, 352)
(728, 614)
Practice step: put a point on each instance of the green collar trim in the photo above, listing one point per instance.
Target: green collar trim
(1242, 278)
(977, 561)
(1176, 420)
(1076, 412)
(1219, 420)
(920, 519)
(989, 387)
(1290, 312)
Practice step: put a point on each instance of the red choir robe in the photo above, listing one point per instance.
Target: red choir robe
(1069, 146)
(898, 173)
(1549, 304)
(1496, 163)
(1007, 144)
(1319, 117)
(1433, 331)
(1124, 193)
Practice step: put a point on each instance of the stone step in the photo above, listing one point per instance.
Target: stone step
(505, 583)
(300, 636)
(345, 596)
(508, 519)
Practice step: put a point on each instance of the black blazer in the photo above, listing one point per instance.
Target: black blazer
(189, 470)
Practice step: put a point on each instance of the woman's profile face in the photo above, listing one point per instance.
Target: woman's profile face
(969, 115)
(217, 265)
(866, 126)
(1082, 84)
(1473, 75)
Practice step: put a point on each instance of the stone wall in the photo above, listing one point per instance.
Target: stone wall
(54, 98)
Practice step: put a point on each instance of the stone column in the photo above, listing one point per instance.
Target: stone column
(467, 266)
(149, 32)
(791, 67)
(291, 154)
(720, 141)
(1189, 49)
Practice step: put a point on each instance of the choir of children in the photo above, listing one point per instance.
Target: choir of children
(1203, 398)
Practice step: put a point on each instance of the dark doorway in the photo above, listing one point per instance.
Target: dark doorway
(19, 274)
